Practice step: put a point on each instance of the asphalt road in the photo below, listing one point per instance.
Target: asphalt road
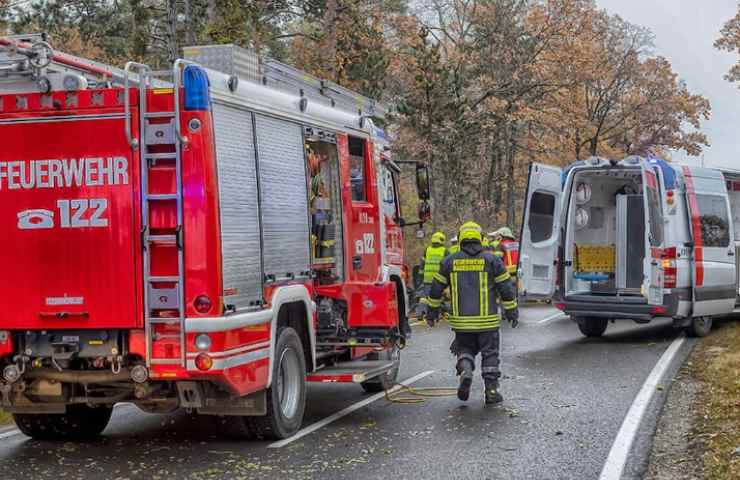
(565, 399)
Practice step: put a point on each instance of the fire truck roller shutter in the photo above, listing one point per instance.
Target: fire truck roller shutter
(283, 199)
(239, 207)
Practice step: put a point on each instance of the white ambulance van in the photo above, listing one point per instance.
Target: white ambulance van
(633, 239)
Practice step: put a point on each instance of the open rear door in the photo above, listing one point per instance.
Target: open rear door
(653, 280)
(714, 279)
(540, 235)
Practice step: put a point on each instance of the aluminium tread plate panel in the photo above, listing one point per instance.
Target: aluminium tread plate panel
(239, 206)
(284, 198)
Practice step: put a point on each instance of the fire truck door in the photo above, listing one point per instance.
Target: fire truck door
(362, 218)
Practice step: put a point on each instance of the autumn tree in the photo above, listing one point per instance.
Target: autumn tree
(729, 41)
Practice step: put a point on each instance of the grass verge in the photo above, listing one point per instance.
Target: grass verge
(5, 417)
(716, 364)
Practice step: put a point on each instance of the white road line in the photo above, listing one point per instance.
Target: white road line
(550, 318)
(11, 433)
(344, 412)
(615, 463)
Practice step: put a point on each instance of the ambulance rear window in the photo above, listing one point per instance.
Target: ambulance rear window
(541, 216)
(715, 223)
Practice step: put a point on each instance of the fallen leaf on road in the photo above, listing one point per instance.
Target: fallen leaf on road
(563, 405)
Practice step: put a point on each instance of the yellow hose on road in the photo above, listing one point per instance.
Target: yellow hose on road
(415, 395)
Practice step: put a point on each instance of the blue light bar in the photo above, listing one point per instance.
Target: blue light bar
(195, 84)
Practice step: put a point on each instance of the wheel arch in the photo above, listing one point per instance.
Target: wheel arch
(293, 306)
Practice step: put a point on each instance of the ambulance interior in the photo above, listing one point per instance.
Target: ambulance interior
(605, 233)
(325, 203)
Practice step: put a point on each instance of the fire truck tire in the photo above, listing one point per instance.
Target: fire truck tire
(80, 422)
(592, 326)
(699, 327)
(286, 397)
(388, 379)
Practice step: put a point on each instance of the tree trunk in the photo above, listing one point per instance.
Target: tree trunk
(172, 46)
(330, 47)
(190, 22)
(511, 170)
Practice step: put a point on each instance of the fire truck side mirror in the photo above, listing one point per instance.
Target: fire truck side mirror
(422, 182)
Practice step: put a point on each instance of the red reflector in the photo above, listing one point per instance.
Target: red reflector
(203, 362)
(202, 304)
(560, 306)
(657, 310)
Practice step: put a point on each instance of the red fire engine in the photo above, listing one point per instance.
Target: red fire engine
(211, 240)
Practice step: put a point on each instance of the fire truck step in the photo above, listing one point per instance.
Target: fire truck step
(159, 114)
(160, 156)
(165, 361)
(154, 279)
(162, 238)
(162, 196)
(351, 372)
(163, 320)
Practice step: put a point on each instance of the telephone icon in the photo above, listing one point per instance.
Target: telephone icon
(35, 219)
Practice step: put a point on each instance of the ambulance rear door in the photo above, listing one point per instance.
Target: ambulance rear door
(540, 233)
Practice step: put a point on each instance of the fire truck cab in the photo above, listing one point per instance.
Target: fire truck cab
(210, 238)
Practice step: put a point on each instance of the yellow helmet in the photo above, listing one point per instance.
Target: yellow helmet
(470, 231)
(439, 237)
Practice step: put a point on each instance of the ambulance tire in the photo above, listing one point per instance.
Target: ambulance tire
(388, 379)
(79, 422)
(286, 397)
(592, 326)
(699, 327)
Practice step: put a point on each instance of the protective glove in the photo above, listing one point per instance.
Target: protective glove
(513, 317)
(432, 316)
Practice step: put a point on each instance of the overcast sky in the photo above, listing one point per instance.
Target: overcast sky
(684, 33)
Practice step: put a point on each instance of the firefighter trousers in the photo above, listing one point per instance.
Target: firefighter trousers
(469, 344)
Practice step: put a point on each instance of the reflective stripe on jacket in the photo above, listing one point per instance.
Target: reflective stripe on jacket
(432, 259)
(476, 279)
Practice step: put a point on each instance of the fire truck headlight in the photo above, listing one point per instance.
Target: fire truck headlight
(203, 342)
(203, 362)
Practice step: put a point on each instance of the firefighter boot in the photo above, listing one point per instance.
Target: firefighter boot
(492, 394)
(465, 367)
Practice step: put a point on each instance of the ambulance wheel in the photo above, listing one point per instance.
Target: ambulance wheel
(388, 379)
(699, 327)
(592, 326)
(79, 422)
(286, 398)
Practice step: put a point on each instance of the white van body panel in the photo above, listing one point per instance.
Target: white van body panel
(714, 269)
(540, 232)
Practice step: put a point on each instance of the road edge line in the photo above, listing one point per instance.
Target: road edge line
(346, 411)
(619, 454)
(551, 318)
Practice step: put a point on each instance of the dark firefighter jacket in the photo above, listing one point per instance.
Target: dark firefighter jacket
(475, 278)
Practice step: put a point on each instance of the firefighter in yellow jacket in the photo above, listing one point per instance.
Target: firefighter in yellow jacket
(433, 256)
(476, 279)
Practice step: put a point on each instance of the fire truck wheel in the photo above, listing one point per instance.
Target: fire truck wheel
(699, 327)
(80, 422)
(388, 379)
(592, 326)
(286, 398)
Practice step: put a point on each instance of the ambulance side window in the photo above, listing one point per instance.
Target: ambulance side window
(357, 169)
(541, 216)
(714, 218)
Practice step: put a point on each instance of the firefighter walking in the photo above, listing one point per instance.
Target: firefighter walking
(430, 263)
(505, 246)
(476, 279)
